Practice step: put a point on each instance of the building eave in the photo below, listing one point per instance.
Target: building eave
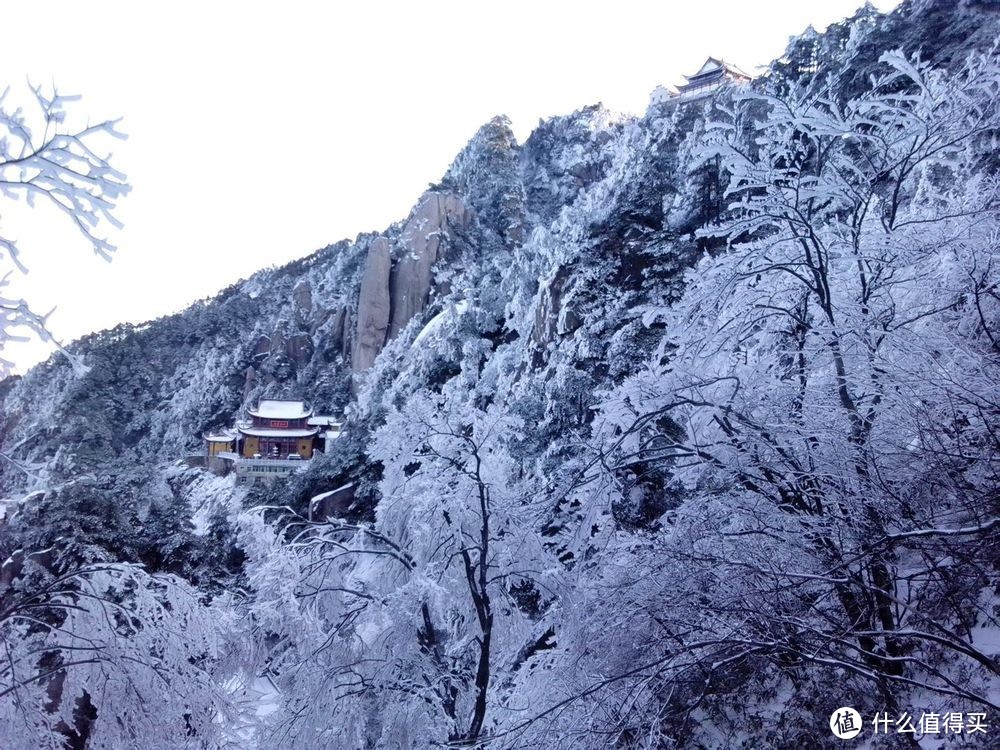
(721, 70)
(222, 437)
(269, 432)
(297, 409)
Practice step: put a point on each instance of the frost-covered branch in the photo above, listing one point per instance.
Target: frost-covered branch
(46, 161)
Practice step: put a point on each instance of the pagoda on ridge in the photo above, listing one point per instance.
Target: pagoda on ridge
(713, 75)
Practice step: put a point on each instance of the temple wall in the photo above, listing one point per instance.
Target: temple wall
(251, 445)
(306, 447)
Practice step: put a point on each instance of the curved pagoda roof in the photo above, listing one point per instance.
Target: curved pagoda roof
(273, 432)
(224, 437)
(275, 408)
(716, 68)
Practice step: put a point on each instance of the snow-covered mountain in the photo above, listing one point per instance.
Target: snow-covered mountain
(658, 429)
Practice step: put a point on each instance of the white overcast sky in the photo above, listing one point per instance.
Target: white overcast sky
(259, 133)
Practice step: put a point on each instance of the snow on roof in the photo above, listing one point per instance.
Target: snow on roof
(226, 436)
(733, 69)
(662, 94)
(710, 65)
(274, 408)
(713, 65)
(275, 433)
(322, 420)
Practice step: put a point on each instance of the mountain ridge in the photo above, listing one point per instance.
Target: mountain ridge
(526, 364)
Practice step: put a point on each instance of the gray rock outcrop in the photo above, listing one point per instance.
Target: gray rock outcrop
(300, 348)
(302, 295)
(373, 306)
(393, 293)
(421, 240)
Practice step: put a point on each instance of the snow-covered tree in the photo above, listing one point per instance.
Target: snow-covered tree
(402, 631)
(109, 656)
(826, 395)
(46, 160)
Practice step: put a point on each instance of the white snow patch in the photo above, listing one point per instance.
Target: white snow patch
(279, 409)
(434, 325)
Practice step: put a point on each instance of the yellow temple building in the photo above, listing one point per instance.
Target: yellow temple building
(274, 439)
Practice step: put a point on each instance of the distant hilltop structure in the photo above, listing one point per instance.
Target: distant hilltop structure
(713, 75)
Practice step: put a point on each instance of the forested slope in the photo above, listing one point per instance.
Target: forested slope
(666, 431)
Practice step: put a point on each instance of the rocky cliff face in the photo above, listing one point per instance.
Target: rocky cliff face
(396, 286)
(525, 287)
(423, 240)
(312, 328)
(552, 247)
(373, 306)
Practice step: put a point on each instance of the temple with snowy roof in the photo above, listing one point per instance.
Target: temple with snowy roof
(277, 437)
(713, 75)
